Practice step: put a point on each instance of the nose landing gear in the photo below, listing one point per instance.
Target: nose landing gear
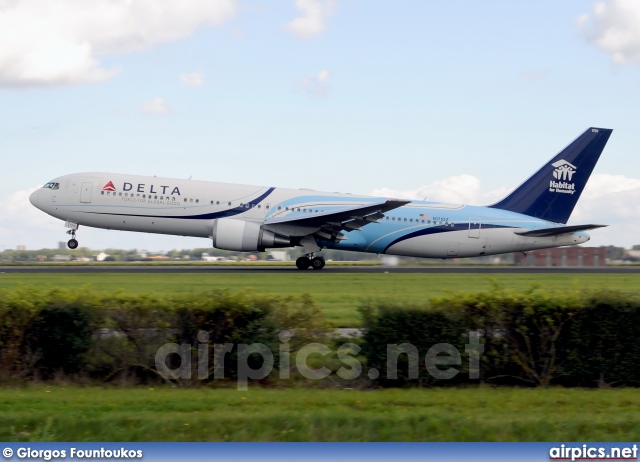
(72, 243)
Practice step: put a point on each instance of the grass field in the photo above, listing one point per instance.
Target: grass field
(338, 295)
(170, 414)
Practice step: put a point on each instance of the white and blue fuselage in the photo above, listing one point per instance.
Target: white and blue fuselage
(242, 217)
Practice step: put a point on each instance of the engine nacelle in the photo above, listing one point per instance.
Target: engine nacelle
(245, 236)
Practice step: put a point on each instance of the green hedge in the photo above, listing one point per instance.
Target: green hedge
(602, 345)
(387, 326)
(534, 338)
(531, 338)
(85, 335)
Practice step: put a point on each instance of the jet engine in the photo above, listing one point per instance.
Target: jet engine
(245, 236)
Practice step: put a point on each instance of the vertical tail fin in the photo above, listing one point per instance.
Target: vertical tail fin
(553, 191)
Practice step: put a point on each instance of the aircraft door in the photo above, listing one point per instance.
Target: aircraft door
(85, 192)
(474, 227)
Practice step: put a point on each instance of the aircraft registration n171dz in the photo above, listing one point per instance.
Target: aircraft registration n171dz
(254, 218)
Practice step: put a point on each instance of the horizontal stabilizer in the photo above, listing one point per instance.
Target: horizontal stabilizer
(557, 230)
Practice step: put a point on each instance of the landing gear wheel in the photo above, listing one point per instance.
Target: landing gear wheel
(317, 263)
(72, 244)
(303, 263)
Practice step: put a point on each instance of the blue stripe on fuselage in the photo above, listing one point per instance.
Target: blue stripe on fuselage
(205, 216)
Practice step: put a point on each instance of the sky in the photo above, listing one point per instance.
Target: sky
(453, 101)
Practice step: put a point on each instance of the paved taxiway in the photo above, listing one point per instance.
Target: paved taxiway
(62, 269)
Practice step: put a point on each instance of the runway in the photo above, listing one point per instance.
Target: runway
(245, 269)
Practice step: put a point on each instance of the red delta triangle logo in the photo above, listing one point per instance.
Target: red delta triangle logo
(109, 187)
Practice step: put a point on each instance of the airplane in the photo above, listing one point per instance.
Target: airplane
(254, 218)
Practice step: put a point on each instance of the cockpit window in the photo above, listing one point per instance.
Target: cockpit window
(52, 186)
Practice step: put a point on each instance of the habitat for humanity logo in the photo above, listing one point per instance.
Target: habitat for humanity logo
(564, 173)
(109, 187)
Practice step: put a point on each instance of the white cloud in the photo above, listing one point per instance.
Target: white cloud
(534, 76)
(582, 19)
(614, 27)
(607, 199)
(613, 198)
(459, 189)
(195, 79)
(315, 86)
(313, 17)
(58, 42)
(156, 106)
(23, 224)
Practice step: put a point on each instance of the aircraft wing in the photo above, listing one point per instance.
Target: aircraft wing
(545, 232)
(329, 225)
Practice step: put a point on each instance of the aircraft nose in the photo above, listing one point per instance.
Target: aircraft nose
(34, 198)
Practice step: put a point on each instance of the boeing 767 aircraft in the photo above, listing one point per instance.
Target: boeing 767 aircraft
(255, 218)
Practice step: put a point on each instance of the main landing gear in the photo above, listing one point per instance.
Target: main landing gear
(309, 260)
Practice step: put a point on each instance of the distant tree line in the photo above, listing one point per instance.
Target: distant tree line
(133, 255)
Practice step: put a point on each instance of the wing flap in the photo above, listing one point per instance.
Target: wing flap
(555, 231)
